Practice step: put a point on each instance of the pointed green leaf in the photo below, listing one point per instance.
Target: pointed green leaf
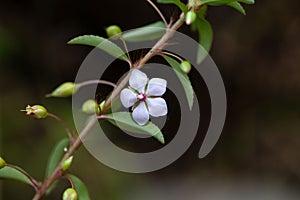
(184, 79)
(80, 188)
(178, 3)
(56, 155)
(205, 38)
(101, 43)
(236, 5)
(148, 32)
(11, 173)
(55, 158)
(125, 121)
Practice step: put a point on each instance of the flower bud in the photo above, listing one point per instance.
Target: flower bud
(36, 111)
(185, 66)
(101, 106)
(190, 17)
(2, 163)
(64, 90)
(67, 164)
(113, 31)
(70, 194)
(90, 107)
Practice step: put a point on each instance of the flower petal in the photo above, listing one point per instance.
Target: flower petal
(128, 97)
(140, 114)
(156, 87)
(138, 80)
(157, 107)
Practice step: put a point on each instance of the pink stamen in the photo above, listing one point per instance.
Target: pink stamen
(141, 97)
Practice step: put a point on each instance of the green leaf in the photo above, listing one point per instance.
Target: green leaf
(184, 79)
(205, 38)
(236, 5)
(80, 188)
(178, 3)
(55, 158)
(148, 32)
(125, 121)
(101, 43)
(56, 155)
(11, 173)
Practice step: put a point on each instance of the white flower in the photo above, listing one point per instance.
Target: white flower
(145, 97)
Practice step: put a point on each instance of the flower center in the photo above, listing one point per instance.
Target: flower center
(141, 97)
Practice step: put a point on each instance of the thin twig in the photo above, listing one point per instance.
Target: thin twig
(62, 122)
(171, 54)
(158, 11)
(58, 171)
(70, 180)
(90, 82)
(34, 183)
(126, 49)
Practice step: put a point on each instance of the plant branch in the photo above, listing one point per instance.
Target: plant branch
(126, 49)
(34, 183)
(58, 171)
(62, 122)
(154, 51)
(171, 54)
(158, 11)
(90, 82)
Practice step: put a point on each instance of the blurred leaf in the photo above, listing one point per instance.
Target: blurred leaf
(55, 158)
(236, 5)
(205, 38)
(148, 32)
(80, 188)
(178, 3)
(184, 79)
(11, 173)
(101, 43)
(124, 121)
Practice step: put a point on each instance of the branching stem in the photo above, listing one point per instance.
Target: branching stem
(77, 143)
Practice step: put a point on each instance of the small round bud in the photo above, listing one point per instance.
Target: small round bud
(67, 164)
(90, 107)
(101, 106)
(64, 90)
(70, 194)
(36, 111)
(190, 17)
(185, 66)
(2, 163)
(113, 31)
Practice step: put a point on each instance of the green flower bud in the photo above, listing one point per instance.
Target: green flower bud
(67, 164)
(190, 17)
(70, 194)
(113, 31)
(101, 106)
(185, 66)
(36, 111)
(90, 107)
(2, 163)
(64, 90)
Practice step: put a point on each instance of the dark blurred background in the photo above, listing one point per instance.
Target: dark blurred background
(257, 156)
